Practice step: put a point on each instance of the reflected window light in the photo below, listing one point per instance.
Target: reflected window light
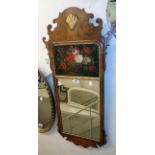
(59, 83)
(90, 83)
(74, 81)
(77, 81)
(41, 98)
(40, 125)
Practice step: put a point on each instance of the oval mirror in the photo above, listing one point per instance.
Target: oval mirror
(46, 111)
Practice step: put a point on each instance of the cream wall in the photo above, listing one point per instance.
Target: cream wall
(51, 143)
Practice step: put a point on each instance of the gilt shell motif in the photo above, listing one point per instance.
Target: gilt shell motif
(72, 21)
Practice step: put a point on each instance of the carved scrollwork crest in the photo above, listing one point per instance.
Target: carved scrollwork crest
(73, 24)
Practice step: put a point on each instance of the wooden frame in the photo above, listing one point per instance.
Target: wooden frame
(74, 28)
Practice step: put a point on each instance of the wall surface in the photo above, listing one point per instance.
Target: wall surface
(51, 143)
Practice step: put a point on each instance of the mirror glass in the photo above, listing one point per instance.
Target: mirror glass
(45, 105)
(80, 106)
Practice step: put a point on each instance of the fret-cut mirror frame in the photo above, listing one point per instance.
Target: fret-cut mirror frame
(74, 28)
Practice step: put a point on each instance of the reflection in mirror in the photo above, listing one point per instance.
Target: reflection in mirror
(45, 105)
(80, 107)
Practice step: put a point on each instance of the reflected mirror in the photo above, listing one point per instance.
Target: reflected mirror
(80, 111)
(45, 105)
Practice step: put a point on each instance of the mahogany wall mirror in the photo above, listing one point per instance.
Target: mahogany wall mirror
(46, 112)
(77, 62)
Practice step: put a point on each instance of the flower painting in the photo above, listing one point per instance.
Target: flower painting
(77, 60)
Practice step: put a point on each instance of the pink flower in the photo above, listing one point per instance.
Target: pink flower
(75, 52)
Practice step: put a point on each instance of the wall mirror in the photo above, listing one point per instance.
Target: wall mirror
(77, 55)
(45, 105)
(80, 113)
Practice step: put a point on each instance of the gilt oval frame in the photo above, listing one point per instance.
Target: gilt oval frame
(51, 98)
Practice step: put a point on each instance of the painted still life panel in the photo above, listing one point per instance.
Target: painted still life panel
(77, 60)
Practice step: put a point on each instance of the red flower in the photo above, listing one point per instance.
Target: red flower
(70, 58)
(86, 50)
(63, 65)
(91, 68)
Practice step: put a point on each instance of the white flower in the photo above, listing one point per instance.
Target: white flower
(78, 58)
(86, 60)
